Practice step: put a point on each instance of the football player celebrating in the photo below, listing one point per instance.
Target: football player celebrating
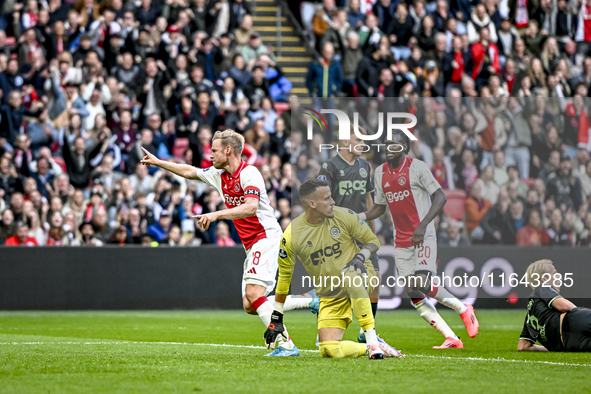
(406, 185)
(348, 175)
(551, 319)
(324, 238)
(245, 196)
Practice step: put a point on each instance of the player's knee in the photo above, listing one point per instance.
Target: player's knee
(331, 349)
(248, 306)
(252, 293)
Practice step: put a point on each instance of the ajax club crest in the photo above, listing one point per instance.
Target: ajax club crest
(402, 180)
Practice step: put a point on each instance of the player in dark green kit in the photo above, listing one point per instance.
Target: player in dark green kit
(552, 320)
(350, 180)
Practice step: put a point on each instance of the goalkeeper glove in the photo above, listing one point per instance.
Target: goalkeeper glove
(356, 265)
(275, 328)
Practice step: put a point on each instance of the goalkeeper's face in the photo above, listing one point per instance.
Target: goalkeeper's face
(322, 202)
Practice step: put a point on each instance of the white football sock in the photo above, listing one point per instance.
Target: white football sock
(264, 311)
(447, 299)
(295, 302)
(429, 313)
(370, 337)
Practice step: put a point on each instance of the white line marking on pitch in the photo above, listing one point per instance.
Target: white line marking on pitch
(500, 359)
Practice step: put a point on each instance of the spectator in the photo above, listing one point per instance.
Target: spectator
(479, 21)
(355, 17)
(455, 62)
(253, 50)
(513, 174)
(368, 72)
(12, 116)
(351, 59)
(441, 169)
(322, 17)
(513, 221)
(452, 236)
(492, 222)
(21, 236)
(257, 88)
(7, 225)
(485, 58)
(370, 34)
(120, 237)
(563, 187)
(385, 10)
(557, 232)
(400, 31)
(325, 76)
(87, 236)
(489, 189)
(519, 138)
(54, 231)
(584, 238)
(475, 209)
(159, 230)
(222, 234)
(532, 234)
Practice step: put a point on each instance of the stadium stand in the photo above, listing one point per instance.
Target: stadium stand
(84, 85)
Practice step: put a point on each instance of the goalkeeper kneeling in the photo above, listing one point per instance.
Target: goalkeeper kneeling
(324, 240)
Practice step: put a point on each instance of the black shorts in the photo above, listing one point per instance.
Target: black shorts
(576, 330)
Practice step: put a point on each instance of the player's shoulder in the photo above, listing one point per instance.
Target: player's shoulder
(330, 164)
(213, 171)
(416, 164)
(249, 170)
(250, 173)
(344, 213)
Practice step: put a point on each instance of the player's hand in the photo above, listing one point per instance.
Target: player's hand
(418, 236)
(149, 159)
(275, 328)
(205, 220)
(357, 264)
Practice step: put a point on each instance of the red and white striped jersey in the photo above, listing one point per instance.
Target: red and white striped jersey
(406, 190)
(246, 182)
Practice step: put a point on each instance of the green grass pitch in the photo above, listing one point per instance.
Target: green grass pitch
(176, 352)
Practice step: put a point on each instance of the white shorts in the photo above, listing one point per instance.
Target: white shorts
(261, 264)
(409, 260)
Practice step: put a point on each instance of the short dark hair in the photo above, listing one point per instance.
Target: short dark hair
(310, 186)
(404, 137)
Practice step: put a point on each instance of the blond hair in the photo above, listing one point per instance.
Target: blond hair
(536, 270)
(360, 130)
(231, 138)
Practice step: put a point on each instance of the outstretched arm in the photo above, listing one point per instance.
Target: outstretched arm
(525, 345)
(562, 304)
(248, 209)
(374, 212)
(184, 170)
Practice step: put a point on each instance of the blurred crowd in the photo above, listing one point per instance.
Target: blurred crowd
(85, 84)
(500, 88)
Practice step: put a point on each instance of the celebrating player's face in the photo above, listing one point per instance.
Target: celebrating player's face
(323, 202)
(218, 154)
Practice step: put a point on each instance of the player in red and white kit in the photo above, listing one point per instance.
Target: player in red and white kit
(243, 189)
(406, 185)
